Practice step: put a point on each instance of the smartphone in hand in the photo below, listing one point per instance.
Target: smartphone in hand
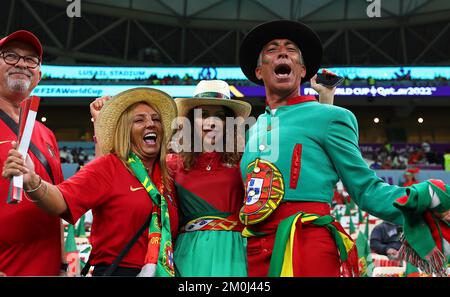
(329, 80)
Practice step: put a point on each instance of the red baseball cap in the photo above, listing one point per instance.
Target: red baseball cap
(25, 36)
(412, 171)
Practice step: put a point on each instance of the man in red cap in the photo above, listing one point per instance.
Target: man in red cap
(30, 239)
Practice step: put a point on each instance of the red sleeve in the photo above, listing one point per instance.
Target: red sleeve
(88, 187)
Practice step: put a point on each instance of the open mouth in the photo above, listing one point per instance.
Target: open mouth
(282, 70)
(150, 138)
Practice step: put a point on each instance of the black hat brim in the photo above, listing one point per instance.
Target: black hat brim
(303, 36)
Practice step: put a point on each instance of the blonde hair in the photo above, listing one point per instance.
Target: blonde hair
(122, 142)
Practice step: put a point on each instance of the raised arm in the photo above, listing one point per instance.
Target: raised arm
(95, 108)
(370, 192)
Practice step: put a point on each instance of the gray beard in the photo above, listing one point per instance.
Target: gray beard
(18, 85)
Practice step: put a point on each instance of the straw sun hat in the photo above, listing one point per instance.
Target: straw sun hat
(109, 115)
(212, 92)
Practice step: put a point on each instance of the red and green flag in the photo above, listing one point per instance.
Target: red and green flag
(360, 216)
(338, 216)
(351, 226)
(366, 231)
(364, 259)
(347, 209)
(72, 256)
(80, 231)
(411, 270)
(84, 255)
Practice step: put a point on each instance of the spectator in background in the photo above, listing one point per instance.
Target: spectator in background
(410, 177)
(377, 163)
(425, 146)
(340, 195)
(337, 198)
(400, 160)
(429, 155)
(447, 160)
(346, 82)
(415, 157)
(387, 147)
(65, 155)
(387, 164)
(403, 75)
(385, 240)
(88, 218)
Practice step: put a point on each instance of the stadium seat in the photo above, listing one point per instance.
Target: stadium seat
(388, 271)
(384, 261)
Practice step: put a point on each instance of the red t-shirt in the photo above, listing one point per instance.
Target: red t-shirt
(120, 205)
(30, 239)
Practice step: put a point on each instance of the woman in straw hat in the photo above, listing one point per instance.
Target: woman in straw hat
(125, 188)
(209, 185)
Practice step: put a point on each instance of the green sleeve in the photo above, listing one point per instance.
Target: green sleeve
(370, 192)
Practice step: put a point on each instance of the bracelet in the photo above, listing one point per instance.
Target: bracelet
(37, 188)
(42, 197)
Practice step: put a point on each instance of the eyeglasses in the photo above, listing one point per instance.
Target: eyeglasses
(12, 59)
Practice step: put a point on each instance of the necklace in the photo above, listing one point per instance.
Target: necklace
(204, 160)
(208, 168)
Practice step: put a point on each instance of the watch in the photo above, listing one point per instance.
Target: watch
(64, 266)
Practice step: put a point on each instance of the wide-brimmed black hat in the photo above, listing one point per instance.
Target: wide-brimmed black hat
(303, 36)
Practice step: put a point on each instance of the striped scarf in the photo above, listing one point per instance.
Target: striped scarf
(426, 239)
(159, 251)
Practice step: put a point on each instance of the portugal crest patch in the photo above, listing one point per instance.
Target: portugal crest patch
(168, 258)
(264, 191)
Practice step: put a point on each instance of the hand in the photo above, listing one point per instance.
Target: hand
(148, 270)
(97, 105)
(16, 166)
(2, 274)
(326, 95)
(392, 253)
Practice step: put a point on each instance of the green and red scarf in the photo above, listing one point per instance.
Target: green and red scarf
(426, 237)
(159, 250)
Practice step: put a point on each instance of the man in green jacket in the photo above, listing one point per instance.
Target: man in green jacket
(295, 153)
